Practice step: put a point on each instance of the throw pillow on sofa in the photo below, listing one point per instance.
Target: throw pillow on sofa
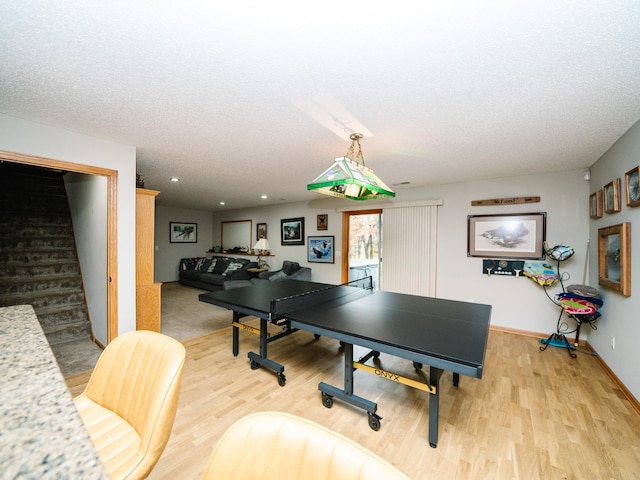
(212, 266)
(233, 266)
(202, 264)
(221, 265)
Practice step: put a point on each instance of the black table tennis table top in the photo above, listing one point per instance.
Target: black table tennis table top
(450, 330)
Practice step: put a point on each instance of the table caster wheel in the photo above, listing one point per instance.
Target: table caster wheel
(432, 445)
(254, 365)
(316, 336)
(374, 421)
(282, 379)
(327, 400)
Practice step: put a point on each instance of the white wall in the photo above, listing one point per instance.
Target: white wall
(21, 136)
(518, 303)
(167, 254)
(620, 314)
(87, 196)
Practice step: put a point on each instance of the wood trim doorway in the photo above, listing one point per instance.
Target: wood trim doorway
(346, 216)
(112, 231)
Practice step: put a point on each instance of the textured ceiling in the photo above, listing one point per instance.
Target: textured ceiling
(240, 99)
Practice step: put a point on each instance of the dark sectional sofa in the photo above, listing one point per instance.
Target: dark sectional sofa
(211, 273)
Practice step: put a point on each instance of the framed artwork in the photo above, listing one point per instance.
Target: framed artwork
(180, 232)
(323, 221)
(595, 204)
(506, 235)
(261, 231)
(292, 231)
(320, 249)
(614, 258)
(612, 196)
(631, 186)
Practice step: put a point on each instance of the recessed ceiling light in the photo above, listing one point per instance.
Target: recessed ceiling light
(174, 179)
(263, 197)
(221, 203)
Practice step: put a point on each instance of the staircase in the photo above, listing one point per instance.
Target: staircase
(38, 259)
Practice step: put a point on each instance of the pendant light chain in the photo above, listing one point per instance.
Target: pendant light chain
(351, 153)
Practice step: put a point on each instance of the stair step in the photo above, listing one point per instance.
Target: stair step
(51, 208)
(42, 283)
(68, 333)
(43, 268)
(13, 255)
(69, 296)
(76, 356)
(54, 315)
(37, 243)
(34, 219)
(35, 230)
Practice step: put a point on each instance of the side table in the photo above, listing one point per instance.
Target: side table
(254, 272)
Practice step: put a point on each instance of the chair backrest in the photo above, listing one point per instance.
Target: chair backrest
(280, 446)
(289, 267)
(138, 377)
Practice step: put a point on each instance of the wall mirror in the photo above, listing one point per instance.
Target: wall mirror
(236, 234)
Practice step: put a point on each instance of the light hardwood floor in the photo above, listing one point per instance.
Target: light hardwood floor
(534, 415)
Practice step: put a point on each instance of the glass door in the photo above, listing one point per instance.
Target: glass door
(364, 246)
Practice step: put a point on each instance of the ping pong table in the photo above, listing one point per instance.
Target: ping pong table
(445, 335)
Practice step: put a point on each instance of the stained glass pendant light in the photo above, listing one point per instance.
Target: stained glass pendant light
(348, 177)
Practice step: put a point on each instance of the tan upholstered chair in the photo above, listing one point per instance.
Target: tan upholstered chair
(280, 446)
(130, 401)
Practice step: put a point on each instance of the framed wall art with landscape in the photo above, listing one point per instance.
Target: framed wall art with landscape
(261, 230)
(292, 231)
(631, 187)
(183, 232)
(595, 204)
(612, 196)
(506, 235)
(614, 258)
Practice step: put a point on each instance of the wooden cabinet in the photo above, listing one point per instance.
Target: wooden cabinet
(147, 292)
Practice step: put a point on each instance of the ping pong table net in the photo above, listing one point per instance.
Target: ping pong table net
(337, 294)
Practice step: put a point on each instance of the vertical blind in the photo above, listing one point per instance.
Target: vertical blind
(409, 237)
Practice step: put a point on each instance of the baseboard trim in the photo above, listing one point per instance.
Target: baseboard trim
(587, 346)
(625, 391)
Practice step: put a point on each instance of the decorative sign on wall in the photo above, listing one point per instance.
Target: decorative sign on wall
(504, 201)
(323, 222)
(502, 267)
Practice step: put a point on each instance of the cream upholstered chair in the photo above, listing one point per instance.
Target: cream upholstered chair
(130, 401)
(280, 446)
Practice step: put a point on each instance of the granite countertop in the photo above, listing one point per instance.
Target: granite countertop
(41, 433)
